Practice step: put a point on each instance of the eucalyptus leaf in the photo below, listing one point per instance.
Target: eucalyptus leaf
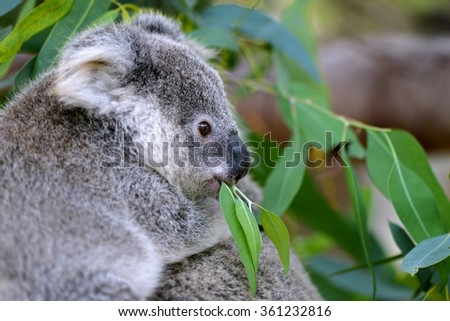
(258, 25)
(427, 253)
(344, 232)
(5, 31)
(24, 75)
(357, 283)
(215, 37)
(325, 129)
(41, 17)
(277, 232)
(405, 244)
(408, 154)
(360, 212)
(251, 230)
(8, 5)
(414, 203)
(108, 17)
(401, 238)
(228, 208)
(285, 180)
(83, 13)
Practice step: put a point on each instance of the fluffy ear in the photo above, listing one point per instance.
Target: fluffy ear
(157, 23)
(89, 74)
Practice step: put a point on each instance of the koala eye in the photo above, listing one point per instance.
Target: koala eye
(204, 128)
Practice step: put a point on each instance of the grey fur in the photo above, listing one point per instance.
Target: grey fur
(72, 226)
(218, 274)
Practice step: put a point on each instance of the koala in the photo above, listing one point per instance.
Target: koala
(110, 168)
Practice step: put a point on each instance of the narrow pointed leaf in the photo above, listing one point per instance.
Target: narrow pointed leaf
(82, 14)
(286, 178)
(228, 208)
(427, 253)
(251, 230)
(41, 17)
(360, 212)
(215, 37)
(257, 24)
(277, 232)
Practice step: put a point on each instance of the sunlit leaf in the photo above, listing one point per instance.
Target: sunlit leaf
(41, 17)
(108, 17)
(251, 230)
(228, 208)
(277, 232)
(82, 14)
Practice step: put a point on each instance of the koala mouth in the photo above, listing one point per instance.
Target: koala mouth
(213, 186)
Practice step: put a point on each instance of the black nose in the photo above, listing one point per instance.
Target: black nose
(239, 158)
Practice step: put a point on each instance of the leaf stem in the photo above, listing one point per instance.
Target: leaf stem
(430, 291)
(365, 265)
(237, 191)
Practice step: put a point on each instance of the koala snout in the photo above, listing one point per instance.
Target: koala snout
(239, 160)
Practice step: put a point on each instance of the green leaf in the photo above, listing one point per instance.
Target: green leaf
(4, 32)
(251, 230)
(228, 208)
(356, 283)
(401, 238)
(344, 232)
(108, 17)
(414, 203)
(41, 17)
(215, 37)
(405, 244)
(409, 154)
(325, 129)
(360, 212)
(8, 5)
(24, 75)
(427, 253)
(285, 180)
(27, 7)
(297, 19)
(258, 25)
(80, 17)
(277, 232)
(4, 67)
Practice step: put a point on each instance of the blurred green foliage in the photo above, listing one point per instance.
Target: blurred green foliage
(344, 257)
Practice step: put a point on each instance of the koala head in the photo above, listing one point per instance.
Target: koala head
(156, 84)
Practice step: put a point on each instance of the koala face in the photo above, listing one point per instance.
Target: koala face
(170, 101)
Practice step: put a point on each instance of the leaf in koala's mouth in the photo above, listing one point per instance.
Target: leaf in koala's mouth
(228, 207)
(236, 208)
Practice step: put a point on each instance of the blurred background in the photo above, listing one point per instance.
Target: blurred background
(384, 63)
